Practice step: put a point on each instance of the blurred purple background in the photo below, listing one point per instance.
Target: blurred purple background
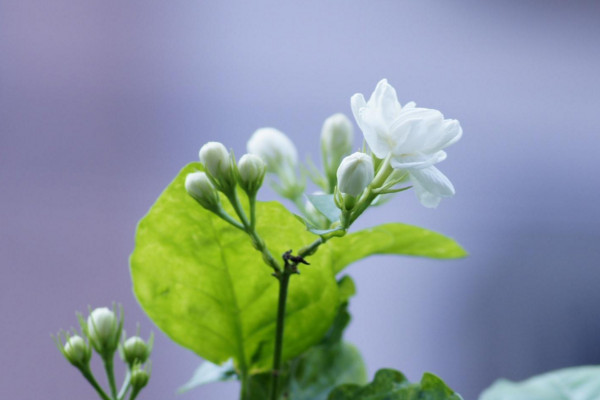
(102, 102)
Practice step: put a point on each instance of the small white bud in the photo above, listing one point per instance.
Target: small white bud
(336, 139)
(76, 350)
(216, 160)
(252, 172)
(274, 147)
(280, 155)
(103, 330)
(199, 186)
(355, 173)
(135, 350)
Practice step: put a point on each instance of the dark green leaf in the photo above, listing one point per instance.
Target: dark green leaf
(578, 383)
(201, 281)
(389, 384)
(392, 238)
(208, 372)
(324, 367)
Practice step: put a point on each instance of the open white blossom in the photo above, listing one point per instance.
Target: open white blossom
(413, 137)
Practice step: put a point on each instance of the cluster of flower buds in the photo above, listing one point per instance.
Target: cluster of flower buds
(222, 174)
(101, 332)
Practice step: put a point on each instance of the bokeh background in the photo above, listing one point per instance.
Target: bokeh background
(102, 102)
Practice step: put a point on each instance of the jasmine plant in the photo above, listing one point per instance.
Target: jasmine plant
(257, 290)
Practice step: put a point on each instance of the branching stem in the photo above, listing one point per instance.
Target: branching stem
(87, 373)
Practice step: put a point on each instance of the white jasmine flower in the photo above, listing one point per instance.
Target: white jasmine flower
(413, 137)
(355, 173)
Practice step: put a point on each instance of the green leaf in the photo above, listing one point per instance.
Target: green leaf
(208, 372)
(389, 384)
(326, 205)
(578, 383)
(324, 367)
(201, 281)
(392, 238)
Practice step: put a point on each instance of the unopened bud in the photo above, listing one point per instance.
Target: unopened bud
(103, 330)
(77, 351)
(199, 186)
(274, 147)
(216, 160)
(135, 350)
(252, 172)
(336, 141)
(355, 173)
(280, 155)
(139, 378)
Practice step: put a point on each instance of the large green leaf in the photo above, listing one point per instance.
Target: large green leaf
(389, 384)
(204, 285)
(578, 383)
(394, 238)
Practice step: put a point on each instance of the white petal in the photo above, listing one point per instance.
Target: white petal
(443, 134)
(385, 101)
(376, 132)
(417, 161)
(427, 199)
(431, 185)
(357, 102)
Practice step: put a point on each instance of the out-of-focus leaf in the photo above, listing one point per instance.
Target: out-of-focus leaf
(208, 372)
(389, 384)
(324, 367)
(326, 205)
(578, 383)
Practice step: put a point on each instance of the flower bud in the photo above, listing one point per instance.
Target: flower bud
(252, 172)
(274, 147)
(280, 155)
(336, 140)
(355, 173)
(199, 186)
(216, 160)
(135, 350)
(139, 378)
(77, 351)
(103, 330)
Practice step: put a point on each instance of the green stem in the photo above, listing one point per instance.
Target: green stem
(284, 281)
(110, 373)
(125, 387)
(245, 392)
(87, 373)
(223, 214)
(134, 392)
(237, 206)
